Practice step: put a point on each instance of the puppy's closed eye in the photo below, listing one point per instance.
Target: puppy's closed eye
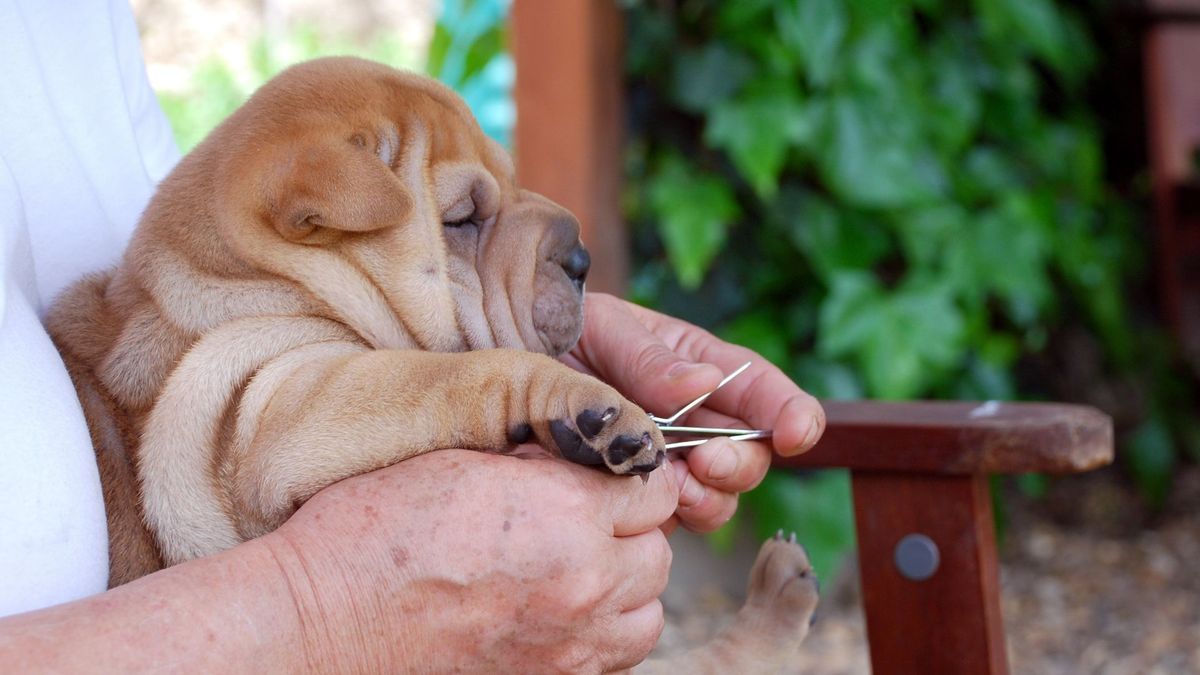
(461, 213)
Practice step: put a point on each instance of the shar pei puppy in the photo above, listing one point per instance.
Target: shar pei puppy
(345, 261)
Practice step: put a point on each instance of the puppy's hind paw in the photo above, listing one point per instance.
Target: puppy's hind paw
(783, 587)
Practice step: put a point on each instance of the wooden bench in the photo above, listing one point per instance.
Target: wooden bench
(919, 470)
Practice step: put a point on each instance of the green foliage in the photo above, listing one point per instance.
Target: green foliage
(826, 523)
(218, 86)
(693, 209)
(891, 199)
(467, 52)
(826, 529)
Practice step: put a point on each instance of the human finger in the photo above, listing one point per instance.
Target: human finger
(763, 396)
(796, 423)
(642, 564)
(729, 466)
(637, 506)
(620, 350)
(632, 635)
(701, 508)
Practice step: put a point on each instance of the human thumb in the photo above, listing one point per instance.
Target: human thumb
(641, 366)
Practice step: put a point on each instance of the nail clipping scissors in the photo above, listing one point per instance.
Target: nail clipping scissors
(668, 427)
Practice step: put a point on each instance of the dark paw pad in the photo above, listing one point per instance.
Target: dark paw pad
(572, 446)
(624, 447)
(521, 433)
(591, 422)
(647, 468)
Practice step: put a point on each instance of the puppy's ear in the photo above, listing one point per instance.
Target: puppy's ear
(341, 184)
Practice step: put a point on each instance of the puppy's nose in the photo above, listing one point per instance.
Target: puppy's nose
(577, 264)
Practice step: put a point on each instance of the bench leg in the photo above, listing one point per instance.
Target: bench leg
(949, 622)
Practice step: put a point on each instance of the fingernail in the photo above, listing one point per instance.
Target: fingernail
(724, 464)
(691, 493)
(683, 369)
(813, 435)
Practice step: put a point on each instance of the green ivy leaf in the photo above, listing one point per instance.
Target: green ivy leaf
(1070, 156)
(1003, 251)
(849, 317)
(866, 163)
(761, 331)
(956, 104)
(757, 132)
(813, 30)
(740, 17)
(834, 240)
(694, 210)
(483, 50)
(904, 340)
(1035, 24)
(651, 40)
(925, 232)
(704, 77)
(827, 379)
(986, 172)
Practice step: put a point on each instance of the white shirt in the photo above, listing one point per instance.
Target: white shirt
(82, 145)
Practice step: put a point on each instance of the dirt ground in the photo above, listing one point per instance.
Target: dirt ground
(1093, 581)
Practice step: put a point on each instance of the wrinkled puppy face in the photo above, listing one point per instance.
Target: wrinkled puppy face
(376, 191)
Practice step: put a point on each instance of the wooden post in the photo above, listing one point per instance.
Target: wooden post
(568, 56)
(921, 468)
(1171, 49)
(949, 623)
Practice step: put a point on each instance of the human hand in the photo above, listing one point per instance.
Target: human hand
(662, 363)
(462, 560)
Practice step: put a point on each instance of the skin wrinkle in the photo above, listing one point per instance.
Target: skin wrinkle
(543, 342)
(501, 319)
(423, 212)
(294, 597)
(357, 266)
(478, 333)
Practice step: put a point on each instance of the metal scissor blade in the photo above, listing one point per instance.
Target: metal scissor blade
(750, 436)
(689, 407)
(709, 431)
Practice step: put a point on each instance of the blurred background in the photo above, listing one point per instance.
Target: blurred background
(987, 200)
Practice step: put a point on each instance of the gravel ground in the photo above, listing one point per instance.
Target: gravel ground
(1092, 582)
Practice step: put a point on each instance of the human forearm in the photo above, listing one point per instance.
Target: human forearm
(452, 560)
(227, 613)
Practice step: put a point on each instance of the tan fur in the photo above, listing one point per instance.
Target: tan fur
(294, 309)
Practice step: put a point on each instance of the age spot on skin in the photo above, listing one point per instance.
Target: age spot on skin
(507, 526)
(399, 556)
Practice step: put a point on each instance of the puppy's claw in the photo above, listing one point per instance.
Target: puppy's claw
(645, 478)
(779, 534)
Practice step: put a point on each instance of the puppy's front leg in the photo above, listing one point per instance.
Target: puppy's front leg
(321, 414)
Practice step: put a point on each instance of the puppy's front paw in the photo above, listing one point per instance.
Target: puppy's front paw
(783, 590)
(600, 427)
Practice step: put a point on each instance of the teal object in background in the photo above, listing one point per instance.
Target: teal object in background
(469, 53)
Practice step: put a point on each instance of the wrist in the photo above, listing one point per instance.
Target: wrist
(342, 623)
